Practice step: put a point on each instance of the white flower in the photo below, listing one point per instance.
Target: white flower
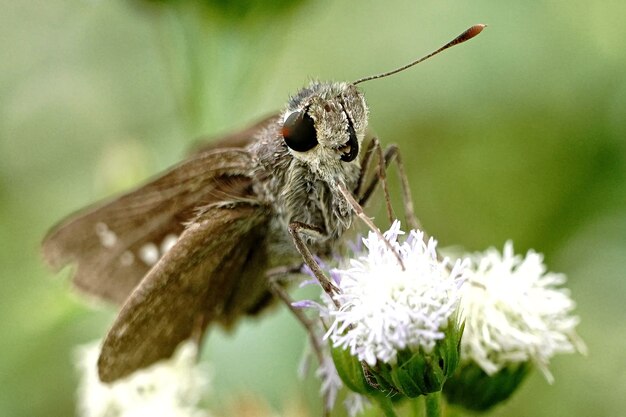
(172, 387)
(385, 309)
(515, 312)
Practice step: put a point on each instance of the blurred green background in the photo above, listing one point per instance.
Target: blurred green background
(520, 134)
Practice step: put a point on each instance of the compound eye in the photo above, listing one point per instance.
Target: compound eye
(299, 132)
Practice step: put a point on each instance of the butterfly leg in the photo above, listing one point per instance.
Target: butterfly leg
(373, 147)
(391, 154)
(329, 287)
(276, 277)
(297, 229)
(358, 210)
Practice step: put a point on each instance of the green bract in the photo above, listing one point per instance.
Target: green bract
(473, 389)
(415, 373)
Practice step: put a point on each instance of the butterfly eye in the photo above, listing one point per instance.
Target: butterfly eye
(299, 131)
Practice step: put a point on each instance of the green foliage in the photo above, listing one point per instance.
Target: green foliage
(420, 373)
(237, 9)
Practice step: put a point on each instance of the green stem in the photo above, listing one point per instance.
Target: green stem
(386, 406)
(417, 410)
(433, 404)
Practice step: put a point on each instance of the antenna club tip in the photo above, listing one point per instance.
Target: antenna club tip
(468, 34)
(475, 30)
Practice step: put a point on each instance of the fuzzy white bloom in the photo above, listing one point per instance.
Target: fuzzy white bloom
(172, 387)
(385, 309)
(515, 312)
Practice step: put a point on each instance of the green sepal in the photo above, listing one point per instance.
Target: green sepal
(420, 373)
(413, 374)
(350, 371)
(473, 389)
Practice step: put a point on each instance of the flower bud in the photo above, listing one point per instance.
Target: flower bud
(420, 372)
(473, 389)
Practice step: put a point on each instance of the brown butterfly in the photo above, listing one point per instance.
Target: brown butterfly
(192, 246)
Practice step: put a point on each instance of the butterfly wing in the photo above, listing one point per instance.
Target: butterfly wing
(220, 252)
(116, 243)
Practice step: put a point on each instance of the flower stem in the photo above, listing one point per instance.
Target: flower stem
(433, 404)
(417, 410)
(386, 406)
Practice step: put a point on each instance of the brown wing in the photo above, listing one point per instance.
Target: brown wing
(219, 253)
(116, 243)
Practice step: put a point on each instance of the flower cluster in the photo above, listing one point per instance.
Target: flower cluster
(393, 323)
(387, 307)
(403, 318)
(516, 312)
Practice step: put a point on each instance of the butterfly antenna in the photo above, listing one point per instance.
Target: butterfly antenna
(465, 36)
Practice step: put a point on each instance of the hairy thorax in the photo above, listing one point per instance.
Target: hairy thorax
(298, 192)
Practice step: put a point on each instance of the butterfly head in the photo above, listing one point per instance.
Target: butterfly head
(325, 123)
